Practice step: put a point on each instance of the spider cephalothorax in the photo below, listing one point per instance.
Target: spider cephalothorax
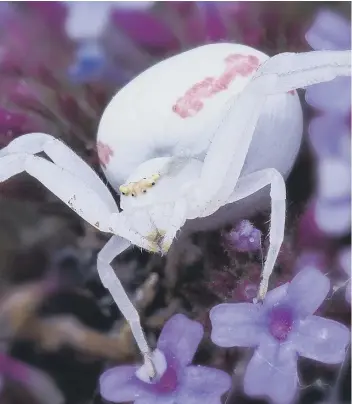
(139, 187)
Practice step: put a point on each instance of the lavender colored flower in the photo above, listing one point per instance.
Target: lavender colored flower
(281, 329)
(177, 381)
(244, 237)
(329, 133)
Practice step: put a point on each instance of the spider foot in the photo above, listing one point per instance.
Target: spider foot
(263, 288)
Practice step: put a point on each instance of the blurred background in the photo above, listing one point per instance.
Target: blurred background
(60, 63)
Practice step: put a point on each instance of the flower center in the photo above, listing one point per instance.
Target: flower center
(280, 322)
(166, 380)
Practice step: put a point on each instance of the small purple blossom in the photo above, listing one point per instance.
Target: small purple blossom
(281, 329)
(178, 381)
(244, 237)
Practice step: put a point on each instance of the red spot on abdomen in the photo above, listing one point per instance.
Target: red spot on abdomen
(104, 153)
(193, 100)
(293, 92)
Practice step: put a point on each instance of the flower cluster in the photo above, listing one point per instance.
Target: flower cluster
(280, 329)
(330, 131)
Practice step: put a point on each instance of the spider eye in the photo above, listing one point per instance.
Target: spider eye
(153, 183)
(144, 191)
(124, 190)
(133, 194)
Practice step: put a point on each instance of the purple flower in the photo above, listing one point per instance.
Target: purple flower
(281, 329)
(329, 133)
(244, 237)
(177, 381)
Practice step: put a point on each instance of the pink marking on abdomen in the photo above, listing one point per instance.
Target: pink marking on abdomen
(293, 92)
(193, 100)
(104, 153)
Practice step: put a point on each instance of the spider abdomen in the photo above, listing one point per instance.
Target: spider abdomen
(174, 108)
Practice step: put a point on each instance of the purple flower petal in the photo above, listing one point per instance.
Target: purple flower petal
(144, 29)
(276, 295)
(199, 385)
(180, 337)
(205, 381)
(330, 190)
(120, 384)
(235, 324)
(156, 400)
(329, 31)
(333, 96)
(321, 339)
(344, 258)
(333, 219)
(244, 237)
(54, 13)
(328, 135)
(189, 398)
(87, 20)
(214, 25)
(272, 372)
(308, 290)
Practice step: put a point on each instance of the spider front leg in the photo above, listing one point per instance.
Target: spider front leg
(65, 185)
(70, 179)
(113, 248)
(250, 184)
(62, 156)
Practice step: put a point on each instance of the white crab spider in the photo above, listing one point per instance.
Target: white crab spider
(188, 122)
